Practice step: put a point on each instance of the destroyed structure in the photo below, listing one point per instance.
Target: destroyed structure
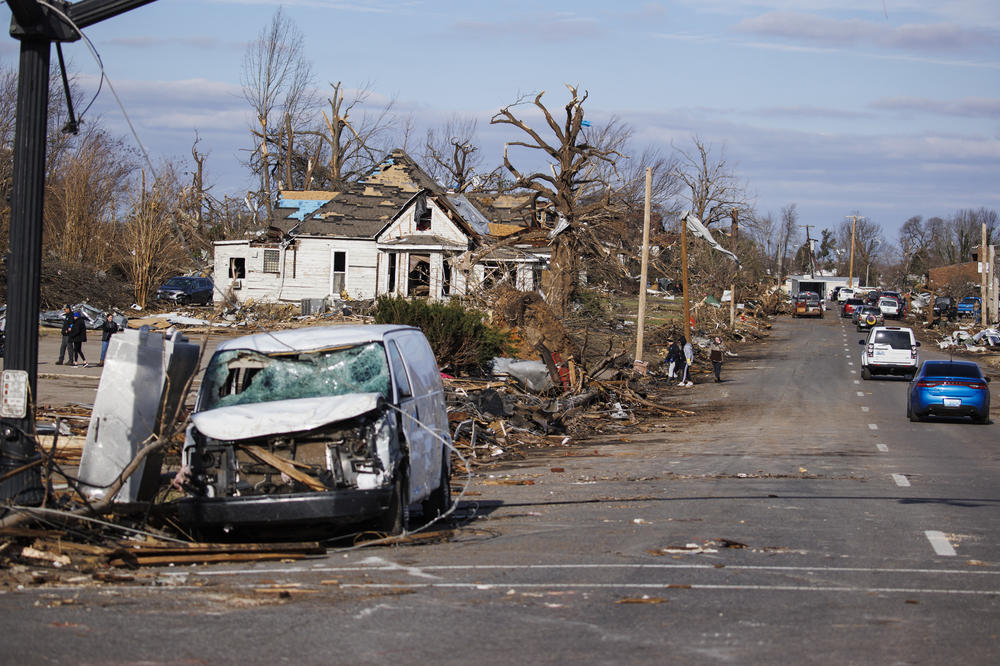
(396, 232)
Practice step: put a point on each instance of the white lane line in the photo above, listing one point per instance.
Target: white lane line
(502, 587)
(854, 372)
(865, 409)
(882, 447)
(873, 426)
(901, 480)
(861, 394)
(850, 362)
(940, 543)
(856, 381)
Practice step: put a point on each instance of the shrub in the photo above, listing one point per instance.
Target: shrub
(460, 339)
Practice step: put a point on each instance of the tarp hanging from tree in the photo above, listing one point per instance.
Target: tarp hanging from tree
(701, 231)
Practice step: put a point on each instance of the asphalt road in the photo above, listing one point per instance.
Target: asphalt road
(800, 518)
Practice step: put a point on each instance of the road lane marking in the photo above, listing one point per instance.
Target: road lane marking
(865, 409)
(882, 447)
(854, 372)
(856, 381)
(850, 362)
(901, 480)
(873, 426)
(940, 543)
(861, 394)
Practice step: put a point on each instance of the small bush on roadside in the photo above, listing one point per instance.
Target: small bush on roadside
(461, 340)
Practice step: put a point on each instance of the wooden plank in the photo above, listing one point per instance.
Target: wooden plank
(284, 466)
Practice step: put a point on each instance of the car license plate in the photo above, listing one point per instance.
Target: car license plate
(952, 402)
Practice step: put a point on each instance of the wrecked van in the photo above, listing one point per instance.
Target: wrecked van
(316, 428)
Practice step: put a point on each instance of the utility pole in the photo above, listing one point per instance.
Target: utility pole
(984, 267)
(644, 272)
(812, 252)
(36, 26)
(734, 233)
(684, 279)
(850, 272)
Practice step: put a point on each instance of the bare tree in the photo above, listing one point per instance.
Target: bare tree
(712, 189)
(786, 236)
(277, 83)
(351, 141)
(571, 185)
(151, 252)
(88, 179)
(451, 155)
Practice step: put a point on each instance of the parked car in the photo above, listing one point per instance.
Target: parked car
(889, 350)
(871, 298)
(848, 307)
(944, 306)
(844, 293)
(184, 290)
(890, 307)
(968, 306)
(807, 304)
(315, 428)
(949, 388)
(868, 318)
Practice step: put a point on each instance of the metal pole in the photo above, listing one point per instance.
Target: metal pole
(734, 234)
(644, 273)
(24, 266)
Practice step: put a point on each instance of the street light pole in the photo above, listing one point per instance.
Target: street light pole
(36, 26)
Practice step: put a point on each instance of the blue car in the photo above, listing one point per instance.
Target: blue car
(949, 388)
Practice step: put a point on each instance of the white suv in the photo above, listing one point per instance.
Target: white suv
(889, 350)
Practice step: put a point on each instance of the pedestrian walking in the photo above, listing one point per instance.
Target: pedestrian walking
(684, 367)
(77, 336)
(715, 354)
(108, 328)
(66, 347)
(673, 359)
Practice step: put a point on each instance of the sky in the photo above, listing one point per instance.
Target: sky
(887, 108)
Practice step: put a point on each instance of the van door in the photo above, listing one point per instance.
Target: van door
(425, 405)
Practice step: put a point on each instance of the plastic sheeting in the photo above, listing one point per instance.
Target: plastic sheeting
(533, 374)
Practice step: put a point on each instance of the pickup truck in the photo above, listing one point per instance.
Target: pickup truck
(808, 304)
(967, 306)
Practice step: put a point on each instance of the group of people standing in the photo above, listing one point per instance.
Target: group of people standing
(680, 356)
(74, 334)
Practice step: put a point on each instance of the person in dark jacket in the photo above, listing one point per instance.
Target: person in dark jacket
(673, 359)
(715, 354)
(108, 328)
(66, 345)
(77, 336)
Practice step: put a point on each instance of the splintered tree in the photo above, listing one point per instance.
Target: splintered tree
(452, 157)
(572, 186)
(711, 189)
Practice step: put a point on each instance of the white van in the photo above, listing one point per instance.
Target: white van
(889, 350)
(315, 428)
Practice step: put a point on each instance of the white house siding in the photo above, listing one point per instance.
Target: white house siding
(441, 225)
(305, 271)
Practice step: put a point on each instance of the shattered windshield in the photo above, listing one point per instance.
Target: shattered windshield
(242, 376)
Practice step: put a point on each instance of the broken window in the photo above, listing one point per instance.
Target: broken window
(424, 220)
(392, 273)
(419, 276)
(237, 267)
(243, 376)
(338, 272)
(272, 261)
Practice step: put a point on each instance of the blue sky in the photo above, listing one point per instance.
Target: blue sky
(888, 108)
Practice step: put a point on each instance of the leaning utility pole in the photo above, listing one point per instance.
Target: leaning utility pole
(734, 233)
(684, 278)
(36, 25)
(984, 269)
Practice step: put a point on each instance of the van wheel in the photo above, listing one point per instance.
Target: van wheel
(440, 499)
(397, 516)
(866, 373)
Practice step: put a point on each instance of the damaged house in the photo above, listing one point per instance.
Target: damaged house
(396, 232)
